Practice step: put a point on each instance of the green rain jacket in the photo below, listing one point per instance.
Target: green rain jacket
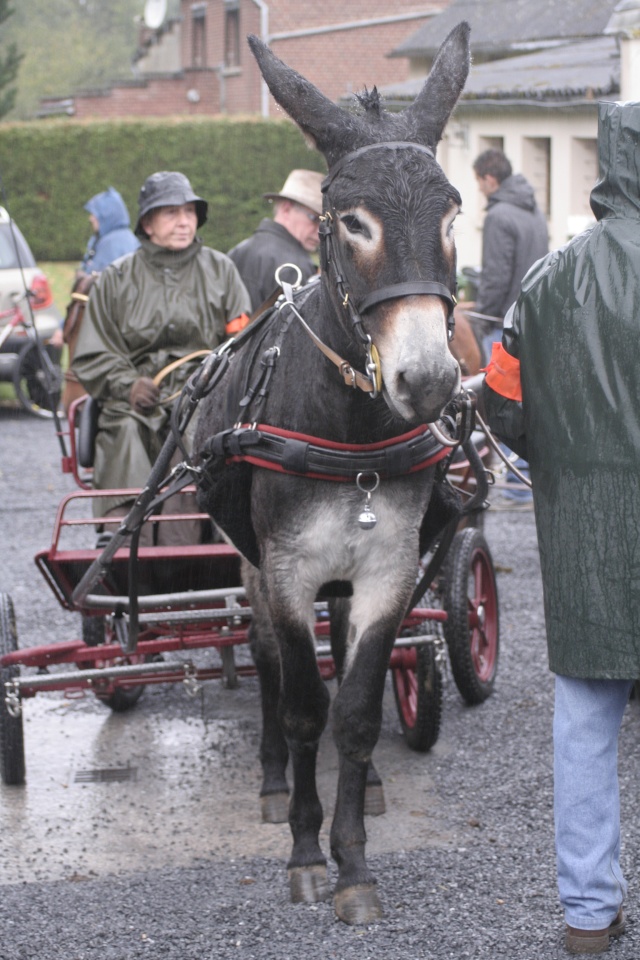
(146, 310)
(576, 331)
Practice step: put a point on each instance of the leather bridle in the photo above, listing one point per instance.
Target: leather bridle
(333, 265)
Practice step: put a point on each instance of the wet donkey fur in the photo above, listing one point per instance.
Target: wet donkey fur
(392, 211)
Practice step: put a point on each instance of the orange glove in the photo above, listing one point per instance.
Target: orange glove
(237, 324)
(144, 395)
(503, 374)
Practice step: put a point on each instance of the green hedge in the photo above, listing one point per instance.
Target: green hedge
(50, 169)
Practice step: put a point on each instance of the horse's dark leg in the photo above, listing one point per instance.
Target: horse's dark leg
(303, 711)
(357, 717)
(339, 608)
(274, 753)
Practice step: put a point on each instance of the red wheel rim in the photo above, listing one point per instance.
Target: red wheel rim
(483, 615)
(406, 684)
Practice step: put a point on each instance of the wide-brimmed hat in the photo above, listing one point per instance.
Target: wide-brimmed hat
(301, 186)
(167, 188)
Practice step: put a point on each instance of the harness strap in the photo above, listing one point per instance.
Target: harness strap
(352, 378)
(416, 287)
(298, 454)
(401, 144)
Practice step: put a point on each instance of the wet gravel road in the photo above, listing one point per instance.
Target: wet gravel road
(178, 867)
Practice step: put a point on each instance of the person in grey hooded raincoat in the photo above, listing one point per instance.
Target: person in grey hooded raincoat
(562, 391)
(170, 298)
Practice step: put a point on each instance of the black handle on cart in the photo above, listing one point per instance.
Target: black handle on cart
(201, 382)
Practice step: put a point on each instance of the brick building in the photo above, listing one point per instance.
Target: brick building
(198, 63)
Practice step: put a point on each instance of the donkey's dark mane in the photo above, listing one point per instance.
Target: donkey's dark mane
(371, 102)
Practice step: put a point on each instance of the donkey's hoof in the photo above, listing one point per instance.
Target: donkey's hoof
(274, 807)
(309, 884)
(374, 805)
(356, 905)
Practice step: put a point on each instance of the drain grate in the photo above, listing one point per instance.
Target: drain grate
(106, 775)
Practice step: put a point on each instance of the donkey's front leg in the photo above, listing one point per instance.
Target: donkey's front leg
(357, 717)
(339, 614)
(303, 712)
(274, 753)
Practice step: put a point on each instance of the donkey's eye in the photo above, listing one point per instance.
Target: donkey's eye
(354, 225)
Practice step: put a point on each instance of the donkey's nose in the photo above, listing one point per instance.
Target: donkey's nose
(428, 391)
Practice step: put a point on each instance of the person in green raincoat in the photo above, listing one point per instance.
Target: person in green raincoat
(170, 298)
(562, 391)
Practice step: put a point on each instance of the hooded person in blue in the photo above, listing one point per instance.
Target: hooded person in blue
(112, 234)
(112, 238)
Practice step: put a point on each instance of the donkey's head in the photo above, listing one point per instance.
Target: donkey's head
(388, 223)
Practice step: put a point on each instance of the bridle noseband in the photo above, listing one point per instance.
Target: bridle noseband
(336, 270)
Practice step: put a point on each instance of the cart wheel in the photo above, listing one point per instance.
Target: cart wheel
(417, 685)
(94, 634)
(30, 380)
(11, 728)
(472, 626)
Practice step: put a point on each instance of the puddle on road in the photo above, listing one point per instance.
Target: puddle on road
(177, 789)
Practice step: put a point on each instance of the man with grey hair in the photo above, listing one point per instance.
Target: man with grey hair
(290, 237)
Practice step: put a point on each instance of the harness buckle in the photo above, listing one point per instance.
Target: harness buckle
(373, 367)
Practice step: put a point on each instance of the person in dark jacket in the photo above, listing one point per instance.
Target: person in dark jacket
(171, 300)
(514, 236)
(290, 237)
(562, 390)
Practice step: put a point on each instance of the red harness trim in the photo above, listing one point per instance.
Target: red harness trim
(434, 458)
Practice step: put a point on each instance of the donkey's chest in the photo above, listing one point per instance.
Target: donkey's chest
(325, 538)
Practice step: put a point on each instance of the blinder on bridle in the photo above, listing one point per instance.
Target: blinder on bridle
(391, 292)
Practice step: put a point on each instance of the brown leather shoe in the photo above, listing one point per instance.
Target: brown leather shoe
(593, 941)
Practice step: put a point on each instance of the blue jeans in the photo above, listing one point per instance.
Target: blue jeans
(519, 491)
(587, 719)
(488, 341)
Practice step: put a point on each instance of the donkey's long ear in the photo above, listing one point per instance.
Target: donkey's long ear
(322, 122)
(427, 116)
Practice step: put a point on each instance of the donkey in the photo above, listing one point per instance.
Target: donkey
(293, 411)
